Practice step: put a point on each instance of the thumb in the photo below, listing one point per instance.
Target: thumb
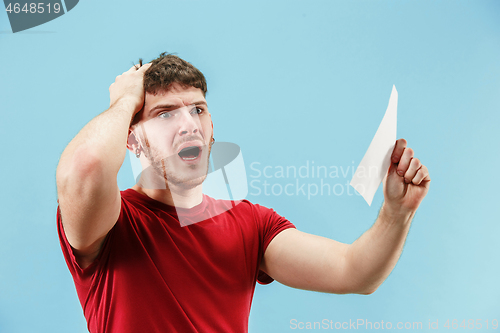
(392, 170)
(393, 183)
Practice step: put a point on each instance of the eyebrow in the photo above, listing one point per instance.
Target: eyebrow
(174, 106)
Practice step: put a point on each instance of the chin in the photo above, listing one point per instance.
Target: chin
(188, 183)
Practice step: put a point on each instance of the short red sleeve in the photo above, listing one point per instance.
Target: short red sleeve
(271, 224)
(81, 276)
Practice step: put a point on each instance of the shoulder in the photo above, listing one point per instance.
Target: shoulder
(130, 195)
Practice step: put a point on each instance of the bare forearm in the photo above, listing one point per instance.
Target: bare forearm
(103, 140)
(371, 258)
(316, 263)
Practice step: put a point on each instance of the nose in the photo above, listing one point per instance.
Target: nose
(188, 123)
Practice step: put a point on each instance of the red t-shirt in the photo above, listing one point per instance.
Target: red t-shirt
(153, 275)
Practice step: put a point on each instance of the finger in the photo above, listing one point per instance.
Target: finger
(399, 147)
(405, 160)
(415, 165)
(422, 176)
(144, 67)
(132, 69)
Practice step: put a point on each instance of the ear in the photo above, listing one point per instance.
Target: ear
(212, 127)
(132, 143)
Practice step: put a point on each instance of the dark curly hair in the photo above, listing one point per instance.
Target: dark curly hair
(169, 68)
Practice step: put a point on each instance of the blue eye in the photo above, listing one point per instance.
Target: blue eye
(196, 111)
(164, 115)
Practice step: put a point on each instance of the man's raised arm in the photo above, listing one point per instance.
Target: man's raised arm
(88, 194)
(305, 261)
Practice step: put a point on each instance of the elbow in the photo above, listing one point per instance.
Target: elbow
(80, 171)
(368, 292)
(359, 288)
(368, 289)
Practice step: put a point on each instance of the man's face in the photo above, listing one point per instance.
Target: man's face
(174, 134)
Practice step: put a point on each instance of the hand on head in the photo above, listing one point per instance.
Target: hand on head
(129, 88)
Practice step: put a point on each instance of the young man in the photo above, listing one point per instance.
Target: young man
(138, 267)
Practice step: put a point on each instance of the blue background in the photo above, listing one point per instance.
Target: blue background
(290, 82)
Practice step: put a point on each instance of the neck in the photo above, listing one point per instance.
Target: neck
(172, 195)
(181, 199)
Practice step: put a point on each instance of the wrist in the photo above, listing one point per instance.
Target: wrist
(128, 104)
(396, 214)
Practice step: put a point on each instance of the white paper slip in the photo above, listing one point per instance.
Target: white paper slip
(374, 165)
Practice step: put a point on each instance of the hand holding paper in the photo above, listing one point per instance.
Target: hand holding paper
(407, 180)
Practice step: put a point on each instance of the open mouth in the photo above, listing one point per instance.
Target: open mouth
(189, 153)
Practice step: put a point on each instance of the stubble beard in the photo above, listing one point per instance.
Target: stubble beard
(161, 170)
